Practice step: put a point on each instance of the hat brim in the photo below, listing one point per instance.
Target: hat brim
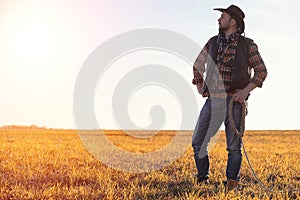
(238, 19)
(220, 9)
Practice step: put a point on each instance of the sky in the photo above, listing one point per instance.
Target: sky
(44, 45)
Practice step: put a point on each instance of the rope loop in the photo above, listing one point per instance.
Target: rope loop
(241, 131)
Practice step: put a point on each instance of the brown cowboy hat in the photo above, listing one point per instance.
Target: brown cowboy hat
(237, 14)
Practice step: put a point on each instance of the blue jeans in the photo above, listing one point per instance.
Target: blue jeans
(212, 115)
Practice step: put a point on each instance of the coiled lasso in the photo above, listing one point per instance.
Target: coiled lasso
(240, 134)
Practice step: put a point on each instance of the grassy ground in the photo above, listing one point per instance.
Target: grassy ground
(40, 163)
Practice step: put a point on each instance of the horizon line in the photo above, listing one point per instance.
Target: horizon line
(94, 129)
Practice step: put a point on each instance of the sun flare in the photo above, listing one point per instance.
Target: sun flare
(32, 36)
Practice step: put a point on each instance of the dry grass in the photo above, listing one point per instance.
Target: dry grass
(53, 164)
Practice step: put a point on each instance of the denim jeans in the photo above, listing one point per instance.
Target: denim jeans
(212, 115)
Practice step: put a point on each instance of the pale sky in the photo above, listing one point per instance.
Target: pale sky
(45, 43)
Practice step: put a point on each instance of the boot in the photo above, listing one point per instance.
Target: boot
(202, 180)
(231, 185)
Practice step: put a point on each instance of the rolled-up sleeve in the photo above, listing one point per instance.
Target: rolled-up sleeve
(257, 64)
(199, 65)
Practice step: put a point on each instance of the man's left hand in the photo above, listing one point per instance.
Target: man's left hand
(240, 95)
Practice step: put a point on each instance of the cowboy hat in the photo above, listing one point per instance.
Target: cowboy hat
(237, 14)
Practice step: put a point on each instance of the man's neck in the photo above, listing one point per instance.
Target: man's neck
(229, 32)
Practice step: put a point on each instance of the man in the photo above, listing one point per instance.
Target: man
(227, 61)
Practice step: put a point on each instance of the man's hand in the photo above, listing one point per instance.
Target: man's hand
(242, 94)
(200, 90)
(198, 81)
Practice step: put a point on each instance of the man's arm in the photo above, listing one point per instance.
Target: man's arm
(260, 73)
(199, 69)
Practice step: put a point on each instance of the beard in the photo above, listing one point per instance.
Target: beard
(223, 28)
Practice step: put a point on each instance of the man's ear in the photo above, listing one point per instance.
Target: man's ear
(233, 22)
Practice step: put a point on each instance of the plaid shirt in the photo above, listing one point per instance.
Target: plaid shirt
(223, 78)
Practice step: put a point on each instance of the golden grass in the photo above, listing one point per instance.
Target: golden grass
(40, 163)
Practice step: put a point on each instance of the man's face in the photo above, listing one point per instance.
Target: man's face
(224, 22)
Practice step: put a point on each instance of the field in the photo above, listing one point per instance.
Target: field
(37, 163)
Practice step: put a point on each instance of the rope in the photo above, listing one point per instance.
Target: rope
(231, 120)
(240, 134)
